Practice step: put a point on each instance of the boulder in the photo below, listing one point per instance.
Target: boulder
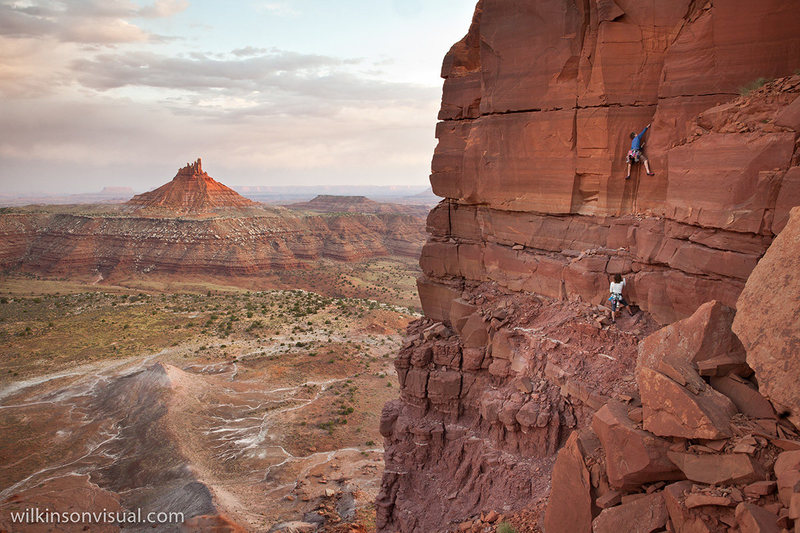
(787, 475)
(671, 410)
(569, 509)
(704, 335)
(633, 456)
(460, 310)
(474, 334)
(502, 346)
(758, 489)
(702, 500)
(472, 358)
(642, 515)
(745, 396)
(528, 414)
(714, 469)
(684, 520)
(435, 298)
(676, 401)
(767, 320)
(754, 519)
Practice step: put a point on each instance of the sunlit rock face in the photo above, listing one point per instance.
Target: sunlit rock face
(534, 135)
(538, 103)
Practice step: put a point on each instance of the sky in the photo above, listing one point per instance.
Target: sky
(97, 93)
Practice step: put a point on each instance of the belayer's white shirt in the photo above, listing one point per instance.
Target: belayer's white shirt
(616, 288)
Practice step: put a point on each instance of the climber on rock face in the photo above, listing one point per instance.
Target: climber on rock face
(635, 154)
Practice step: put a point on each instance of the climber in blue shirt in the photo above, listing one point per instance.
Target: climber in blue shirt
(635, 154)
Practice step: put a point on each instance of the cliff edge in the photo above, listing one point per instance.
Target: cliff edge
(515, 359)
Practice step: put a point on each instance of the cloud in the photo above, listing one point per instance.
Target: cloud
(281, 9)
(109, 31)
(30, 68)
(360, 144)
(83, 21)
(248, 51)
(163, 8)
(91, 94)
(270, 83)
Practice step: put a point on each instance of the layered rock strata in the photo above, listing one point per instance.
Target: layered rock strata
(539, 99)
(257, 242)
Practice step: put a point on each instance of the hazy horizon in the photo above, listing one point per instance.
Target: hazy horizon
(268, 93)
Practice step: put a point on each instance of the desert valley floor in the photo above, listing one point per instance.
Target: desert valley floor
(258, 407)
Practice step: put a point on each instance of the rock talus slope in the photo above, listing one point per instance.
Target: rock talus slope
(514, 359)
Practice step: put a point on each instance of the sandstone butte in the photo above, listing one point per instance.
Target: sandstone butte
(519, 401)
(194, 225)
(191, 191)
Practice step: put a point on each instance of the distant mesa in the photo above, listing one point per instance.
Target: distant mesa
(337, 203)
(331, 203)
(191, 191)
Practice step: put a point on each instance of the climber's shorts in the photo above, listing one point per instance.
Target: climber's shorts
(617, 301)
(634, 156)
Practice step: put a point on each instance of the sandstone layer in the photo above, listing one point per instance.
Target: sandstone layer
(256, 242)
(538, 102)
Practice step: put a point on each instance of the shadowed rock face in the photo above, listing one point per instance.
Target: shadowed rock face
(538, 103)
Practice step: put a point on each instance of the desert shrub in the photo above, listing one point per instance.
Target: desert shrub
(753, 85)
(505, 527)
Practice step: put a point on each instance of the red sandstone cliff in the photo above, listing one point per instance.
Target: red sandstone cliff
(539, 98)
(513, 356)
